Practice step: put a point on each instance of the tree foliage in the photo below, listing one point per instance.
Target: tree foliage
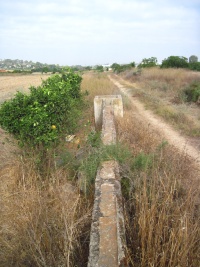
(117, 68)
(175, 62)
(39, 118)
(194, 66)
(148, 62)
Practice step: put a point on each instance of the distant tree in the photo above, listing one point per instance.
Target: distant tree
(99, 68)
(45, 69)
(88, 68)
(148, 62)
(132, 64)
(175, 62)
(193, 59)
(117, 68)
(194, 66)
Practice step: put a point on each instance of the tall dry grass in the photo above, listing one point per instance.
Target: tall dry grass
(161, 90)
(162, 213)
(42, 224)
(46, 222)
(97, 84)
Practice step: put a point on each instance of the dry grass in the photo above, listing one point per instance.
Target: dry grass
(97, 84)
(45, 222)
(162, 91)
(10, 84)
(161, 209)
(42, 224)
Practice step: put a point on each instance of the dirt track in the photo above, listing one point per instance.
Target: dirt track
(183, 144)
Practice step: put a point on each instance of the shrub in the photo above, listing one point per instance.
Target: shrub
(192, 92)
(117, 68)
(175, 62)
(194, 66)
(39, 119)
(148, 62)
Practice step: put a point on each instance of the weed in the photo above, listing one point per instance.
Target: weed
(192, 92)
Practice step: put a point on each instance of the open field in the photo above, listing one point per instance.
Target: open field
(9, 85)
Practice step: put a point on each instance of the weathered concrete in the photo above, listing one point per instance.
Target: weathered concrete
(107, 237)
(108, 134)
(100, 101)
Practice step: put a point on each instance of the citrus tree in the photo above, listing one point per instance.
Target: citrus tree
(39, 119)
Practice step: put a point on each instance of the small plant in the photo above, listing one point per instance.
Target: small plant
(94, 139)
(90, 164)
(142, 162)
(192, 92)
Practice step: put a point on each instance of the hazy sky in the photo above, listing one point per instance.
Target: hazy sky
(89, 32)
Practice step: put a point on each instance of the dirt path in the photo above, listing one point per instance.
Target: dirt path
(172, 136)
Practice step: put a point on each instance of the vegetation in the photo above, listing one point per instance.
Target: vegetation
(148, 62)
(99, 68)
(175, 62)
(117, 68)
(47, 222)
(194, 66)
(192, 92)
(40, 119)
(159, 211)
(162, 90)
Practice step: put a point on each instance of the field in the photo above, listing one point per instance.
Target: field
(9, 85)
(47, 222)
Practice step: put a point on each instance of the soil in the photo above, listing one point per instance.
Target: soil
(188, 145)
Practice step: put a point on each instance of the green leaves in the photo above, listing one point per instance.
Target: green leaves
(30, 117)
(148, 62)
(175, 62)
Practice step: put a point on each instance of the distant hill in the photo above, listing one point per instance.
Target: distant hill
(17, 64)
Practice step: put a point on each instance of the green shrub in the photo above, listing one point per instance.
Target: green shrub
(175, 62)
(148, 62)
(40, 118)
(117, 68)
(192, 92)
(194, 66)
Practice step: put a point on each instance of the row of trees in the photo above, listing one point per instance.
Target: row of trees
(170, 62)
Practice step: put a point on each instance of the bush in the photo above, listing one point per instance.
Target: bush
(175, 62)
(193, 92)
(148, 62)
(117, 68)
(40, 118)
(194, 66)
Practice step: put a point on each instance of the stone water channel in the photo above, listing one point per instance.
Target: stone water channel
(107, 237)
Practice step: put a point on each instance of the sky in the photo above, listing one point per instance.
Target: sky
(91, 32)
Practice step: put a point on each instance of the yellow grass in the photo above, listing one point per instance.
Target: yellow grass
(48, 223)
(162, 91)
(161, 209)
(44, 222)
